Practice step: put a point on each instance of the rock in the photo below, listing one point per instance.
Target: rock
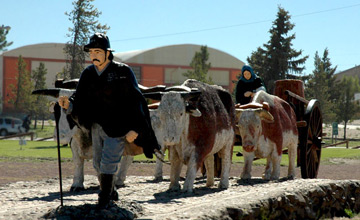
(146, 199)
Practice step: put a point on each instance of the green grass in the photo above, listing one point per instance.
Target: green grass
(351, 143)
(47, 131)
(10, 149)
(32, 150)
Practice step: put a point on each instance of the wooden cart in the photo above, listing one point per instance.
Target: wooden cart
(309, 123)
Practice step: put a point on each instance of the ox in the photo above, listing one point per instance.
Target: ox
(196, 124)
(80, 141)
(267, 125)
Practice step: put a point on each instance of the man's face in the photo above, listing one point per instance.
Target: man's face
(97, 56)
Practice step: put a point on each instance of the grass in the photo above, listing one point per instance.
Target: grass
(32, 150)
(45, 132)
(36, 150)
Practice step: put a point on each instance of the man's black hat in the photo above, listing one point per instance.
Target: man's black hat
(98, 40)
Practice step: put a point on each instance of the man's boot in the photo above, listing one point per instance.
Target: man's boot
(107, 192)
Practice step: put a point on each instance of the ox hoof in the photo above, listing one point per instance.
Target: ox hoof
(158, 179)
(118, 186)
(175, 188)
(274, 178)
(187, 191)
(245, 176)
(210, 184)
(77, 189)
(290, 177)
(266, 177)
(223, 186)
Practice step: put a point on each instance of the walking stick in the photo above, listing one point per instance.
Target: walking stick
(57, 112)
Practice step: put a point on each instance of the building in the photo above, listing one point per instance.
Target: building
(157, 66)
(353, 72)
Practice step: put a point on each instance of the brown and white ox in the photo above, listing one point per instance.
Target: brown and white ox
(196, 125)
(267, 125)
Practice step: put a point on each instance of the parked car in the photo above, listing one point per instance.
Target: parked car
(10, 125)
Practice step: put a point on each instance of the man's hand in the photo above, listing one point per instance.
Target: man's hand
(131, 136)
(64, 102)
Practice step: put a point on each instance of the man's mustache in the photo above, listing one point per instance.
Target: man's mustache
(95, 60)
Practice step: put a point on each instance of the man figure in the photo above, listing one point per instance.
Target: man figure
(26, 123)
(108, 101)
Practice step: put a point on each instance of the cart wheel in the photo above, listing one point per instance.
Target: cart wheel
(310, 141)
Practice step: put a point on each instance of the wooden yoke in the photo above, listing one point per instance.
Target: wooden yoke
(253, 105)
(154, 105)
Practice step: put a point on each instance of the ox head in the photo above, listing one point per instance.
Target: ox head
(249, 120)
(176, 106)
(65, 124)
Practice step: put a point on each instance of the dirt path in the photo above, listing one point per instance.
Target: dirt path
(13, 171)
(29, 190)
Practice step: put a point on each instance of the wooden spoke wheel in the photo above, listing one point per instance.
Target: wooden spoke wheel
(310, 141)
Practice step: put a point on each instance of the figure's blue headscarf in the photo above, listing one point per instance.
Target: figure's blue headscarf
(253, 76)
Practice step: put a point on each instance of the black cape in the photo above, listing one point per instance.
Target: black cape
(243, 86)
(115, 102)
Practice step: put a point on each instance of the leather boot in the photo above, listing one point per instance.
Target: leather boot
(106, 190)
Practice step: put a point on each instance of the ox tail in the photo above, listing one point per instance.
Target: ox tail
(159, 155)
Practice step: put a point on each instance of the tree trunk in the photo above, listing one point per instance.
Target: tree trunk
(345, 130)
(35, 122)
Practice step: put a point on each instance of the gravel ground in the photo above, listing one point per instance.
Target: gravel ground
(30, 190)
(13, 171)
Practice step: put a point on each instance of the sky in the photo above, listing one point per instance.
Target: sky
(235, 27)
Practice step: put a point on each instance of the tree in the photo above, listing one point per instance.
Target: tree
(346, 107)
(200, 66)
(84, 19)
(278, 60)
(330, 77)
(21, 98)
(39, 78)
(321, 86)
(4, 30)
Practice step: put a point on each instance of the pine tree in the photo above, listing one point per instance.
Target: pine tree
(330, 76)
(200, 66)
(39, 78)
(84, 19)
(346, 107)
(4, 30)
(278, 60)
(21, 97)
(317, 87)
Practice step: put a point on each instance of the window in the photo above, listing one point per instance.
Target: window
(137, 72)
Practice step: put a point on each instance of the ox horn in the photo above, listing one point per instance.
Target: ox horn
(178, 88)
(68, 84)
(49, 92)
(193, 95)
(265, 115)
(153, 95)
(158, 88)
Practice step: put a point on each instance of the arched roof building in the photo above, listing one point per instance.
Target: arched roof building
(162, 65)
